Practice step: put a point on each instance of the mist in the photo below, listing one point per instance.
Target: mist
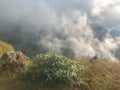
(74, 28)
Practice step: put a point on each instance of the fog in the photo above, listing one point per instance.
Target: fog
(74, 28)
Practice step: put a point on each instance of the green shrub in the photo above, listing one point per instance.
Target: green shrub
(56, 69)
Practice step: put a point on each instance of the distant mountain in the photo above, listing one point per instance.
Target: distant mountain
(99, 32)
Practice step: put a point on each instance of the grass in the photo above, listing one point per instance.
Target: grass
(102, 75)
(5, 47)
(98, 75)
(46, 72)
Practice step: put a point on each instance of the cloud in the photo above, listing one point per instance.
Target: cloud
(107, 11)
(44, 25)
(79, 37)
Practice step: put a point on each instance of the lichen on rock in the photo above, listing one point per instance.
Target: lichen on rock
(16, 58)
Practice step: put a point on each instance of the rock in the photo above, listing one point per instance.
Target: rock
(93, 58)
(15, 58)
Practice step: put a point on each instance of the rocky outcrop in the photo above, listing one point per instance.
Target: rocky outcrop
(15, 58)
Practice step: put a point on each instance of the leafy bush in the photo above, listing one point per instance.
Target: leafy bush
(56, 69)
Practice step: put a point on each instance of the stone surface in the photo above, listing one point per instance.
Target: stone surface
(15, 58)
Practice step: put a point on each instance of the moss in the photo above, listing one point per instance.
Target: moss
(5, 47)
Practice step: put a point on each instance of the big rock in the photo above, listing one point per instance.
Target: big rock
(15, 58)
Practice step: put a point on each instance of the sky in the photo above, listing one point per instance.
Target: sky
(102, 12)
(70, 26)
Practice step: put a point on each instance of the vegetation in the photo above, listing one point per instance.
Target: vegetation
(55, 72)
(5, 47)
(101, 75)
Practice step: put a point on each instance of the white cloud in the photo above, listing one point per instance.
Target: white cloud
(65, 23)
(100, 5)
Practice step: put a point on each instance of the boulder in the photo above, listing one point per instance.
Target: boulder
(15, 58)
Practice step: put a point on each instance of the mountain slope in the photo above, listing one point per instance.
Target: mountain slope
(99, 32)
(5, 47)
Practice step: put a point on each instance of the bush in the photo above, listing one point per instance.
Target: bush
(56, 69)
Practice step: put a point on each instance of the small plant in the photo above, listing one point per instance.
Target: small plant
(56, 69)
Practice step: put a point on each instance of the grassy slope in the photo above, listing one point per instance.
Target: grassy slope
(102, 75)
(99, 75)
(5, 47)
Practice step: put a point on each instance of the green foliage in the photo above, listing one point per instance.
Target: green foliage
(56, 69)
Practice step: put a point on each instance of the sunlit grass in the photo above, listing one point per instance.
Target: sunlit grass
(102, 75)
(5, 47)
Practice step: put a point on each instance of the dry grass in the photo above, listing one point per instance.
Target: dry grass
(101, 75)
